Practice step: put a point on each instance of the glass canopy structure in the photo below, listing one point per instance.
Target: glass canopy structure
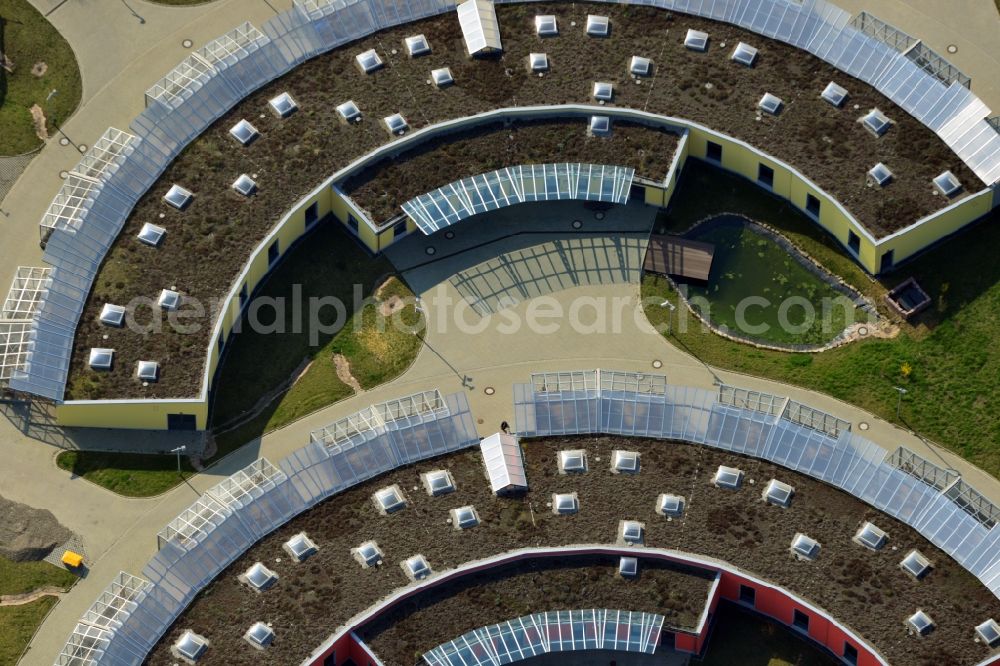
(554, 631)
(519, 184)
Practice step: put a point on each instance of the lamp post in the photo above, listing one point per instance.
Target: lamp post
(899, 400)
(179, 450)
(58, 129)
(668, 304)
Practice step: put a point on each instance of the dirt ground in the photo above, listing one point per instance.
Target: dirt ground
(27, 533)
(428, 620)
(207, 245)
(862, 589)
(382, 189)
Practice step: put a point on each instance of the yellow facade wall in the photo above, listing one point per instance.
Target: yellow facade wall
(145, 415)
(935, 227)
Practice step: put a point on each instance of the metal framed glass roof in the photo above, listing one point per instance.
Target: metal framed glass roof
(15, 339)
(554, 631)
(233, 46)
(518, 184)
(70, 205)
(182, 81)
(480, 26)
(25, 294)
(117, 601)
(106, 154)
(85, 647)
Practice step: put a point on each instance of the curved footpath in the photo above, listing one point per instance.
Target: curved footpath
(120, 58)
(120, 534)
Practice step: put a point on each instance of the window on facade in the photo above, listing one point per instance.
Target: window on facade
(765, 175)
(713, 152)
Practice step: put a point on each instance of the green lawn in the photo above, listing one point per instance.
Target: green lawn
(129, 474)
(18, 625)
(954, 384)
(741, 637)
(21, 577)
(330, 263)
(28, 39)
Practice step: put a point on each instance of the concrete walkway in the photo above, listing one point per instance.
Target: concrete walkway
(463, 352)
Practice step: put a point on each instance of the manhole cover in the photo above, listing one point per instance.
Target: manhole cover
(64, 174)
(480, 421)
(599, 215)
(863, 425)
(83, 147)
(63, 141)
(430, 250)
(489, 390)
(863, 330)
(187, 43)
(449, 234)
(657, 364)
(577, 224)
(952, 48)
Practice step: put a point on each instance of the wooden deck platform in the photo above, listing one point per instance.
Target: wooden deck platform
(679, 257)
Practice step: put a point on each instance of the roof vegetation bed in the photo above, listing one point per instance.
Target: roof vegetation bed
(865, 590)
(208, 243)
(384, 187)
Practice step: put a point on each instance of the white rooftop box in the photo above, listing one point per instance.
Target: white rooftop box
(598, 26)
(670, 505)
(389, 499)
(113, 315)
(151, 234)
(804, 547)
(438, 482)
(778, 493)
(178, 197)
(416, 568)
(300, 547)
(367, 554)
(546, 26)
(283, 105)
(696, 40)
(369, 61)
(101, 358)
(244, 132)
(417, 45)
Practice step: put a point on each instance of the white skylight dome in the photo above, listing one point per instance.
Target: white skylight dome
(876, 122)
(625, 462)
(546, 26)
(368, 554)
(113, 315)
(417, 45)
(178, 197)
(169, 300)
(640, 66)
(349, 111)
(988, 633)
(259, 635)
(538, 62)
(628, 567)
(147, 371)
(916, 565)
(573, 461)
(396, 124)
(283, 105)
(834, 94)
(190, 646)
(744, 54)
(770, 104)
(151, 234)
(565, 503)
(880, 174)
(600, 125)
(259, 577)
(728, 477)
(804, 547)
(416, 567)
(670, 505)
(464, 517)
(947, 184)
(300, 547)
(920, 623)
(101, 358)
(389, 499)
(442, 77)
(369, 61)
(870, 536)
(631, 532)
(603, 91)
(244, 185)
(244, 132)
(778, 493)
(696, 40)
(598, 26)
(438, 482)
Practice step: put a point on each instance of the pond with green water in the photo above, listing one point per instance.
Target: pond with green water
(758, 291)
